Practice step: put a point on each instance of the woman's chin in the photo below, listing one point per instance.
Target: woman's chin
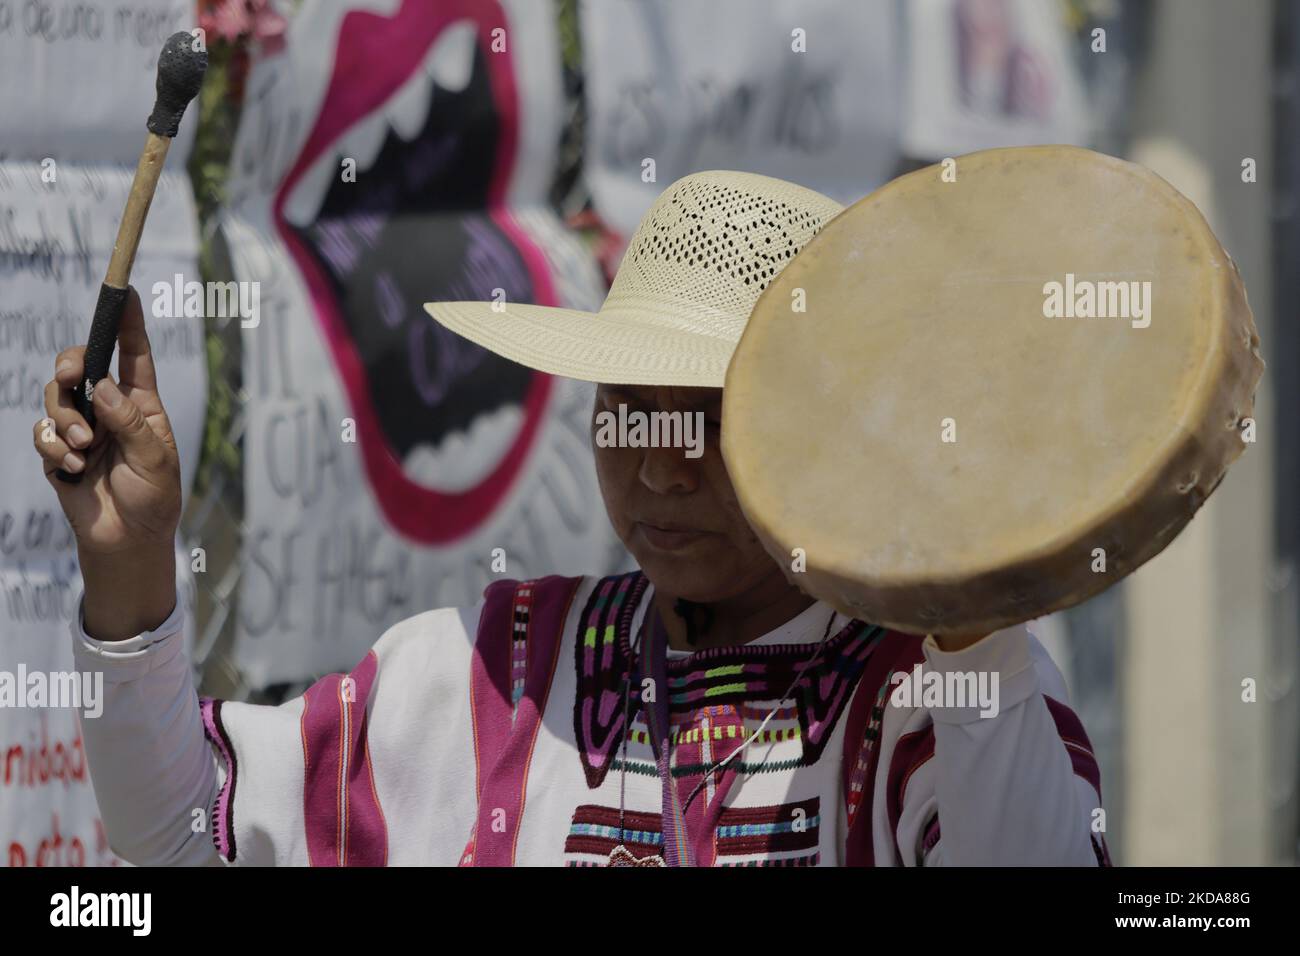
(700, 579)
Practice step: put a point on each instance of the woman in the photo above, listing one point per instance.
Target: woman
(699, 711)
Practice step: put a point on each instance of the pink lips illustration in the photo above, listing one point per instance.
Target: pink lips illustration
(425, 220)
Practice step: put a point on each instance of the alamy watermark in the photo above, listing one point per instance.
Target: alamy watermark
(131, 910)
(1084, 299)
(946, 689)
(195, 300)
(76, 690)
(638, 429)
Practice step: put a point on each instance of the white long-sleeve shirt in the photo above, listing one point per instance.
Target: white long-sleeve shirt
(496, 734)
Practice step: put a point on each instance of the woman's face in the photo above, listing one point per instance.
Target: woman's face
(678, 515)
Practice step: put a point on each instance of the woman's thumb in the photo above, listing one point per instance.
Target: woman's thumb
(142, 449)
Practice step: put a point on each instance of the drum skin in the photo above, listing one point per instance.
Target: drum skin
(1014, 380)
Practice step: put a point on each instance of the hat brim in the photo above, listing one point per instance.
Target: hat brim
(616, 346)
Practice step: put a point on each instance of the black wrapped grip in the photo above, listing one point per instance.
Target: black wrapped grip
(99, 355)
(100, 345)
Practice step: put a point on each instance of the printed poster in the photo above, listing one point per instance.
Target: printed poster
(394, 153)
(76, 85)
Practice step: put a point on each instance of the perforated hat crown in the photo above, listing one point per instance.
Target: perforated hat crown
(693, 270)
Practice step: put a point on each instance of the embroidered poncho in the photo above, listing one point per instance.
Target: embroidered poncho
(514, 732)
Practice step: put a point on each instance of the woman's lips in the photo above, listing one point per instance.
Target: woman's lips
(669, 539)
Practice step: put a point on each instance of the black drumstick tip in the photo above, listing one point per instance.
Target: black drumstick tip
(180, 75)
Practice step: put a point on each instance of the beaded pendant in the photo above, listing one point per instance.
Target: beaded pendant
(622, 856)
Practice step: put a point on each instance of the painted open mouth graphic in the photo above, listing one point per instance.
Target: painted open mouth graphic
(430, 115)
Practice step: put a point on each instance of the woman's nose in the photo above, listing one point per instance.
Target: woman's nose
(667, 471)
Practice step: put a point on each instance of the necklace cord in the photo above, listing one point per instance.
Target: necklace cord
(622, 776)
(708, 774)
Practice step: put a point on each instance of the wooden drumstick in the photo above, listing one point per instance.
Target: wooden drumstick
(180, 74)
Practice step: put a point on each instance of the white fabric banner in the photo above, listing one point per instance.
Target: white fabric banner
(803, 90)
(76, 84)
(391, 154)
(988, 73)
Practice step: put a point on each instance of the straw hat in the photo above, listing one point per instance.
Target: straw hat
(691, 274)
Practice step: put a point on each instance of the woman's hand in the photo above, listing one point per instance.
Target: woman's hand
(125, 510)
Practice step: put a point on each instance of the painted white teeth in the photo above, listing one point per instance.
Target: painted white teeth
(463, 459)
(408, 110)
(306, 198)
(384, 8)
(363, 141)
(451, 61)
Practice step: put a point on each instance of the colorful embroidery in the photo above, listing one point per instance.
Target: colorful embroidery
(751, 678)
(594, 833)
(523, 601)
(506, 725)
(223, 824)
(602, 663)
(807, 859)
(858, 776)
(785, 835)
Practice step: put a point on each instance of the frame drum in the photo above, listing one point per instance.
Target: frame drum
(990, 389)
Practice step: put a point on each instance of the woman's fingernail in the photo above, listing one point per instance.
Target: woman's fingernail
(63, 366)
(73, 462)
(79, 436)
(112, 397)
